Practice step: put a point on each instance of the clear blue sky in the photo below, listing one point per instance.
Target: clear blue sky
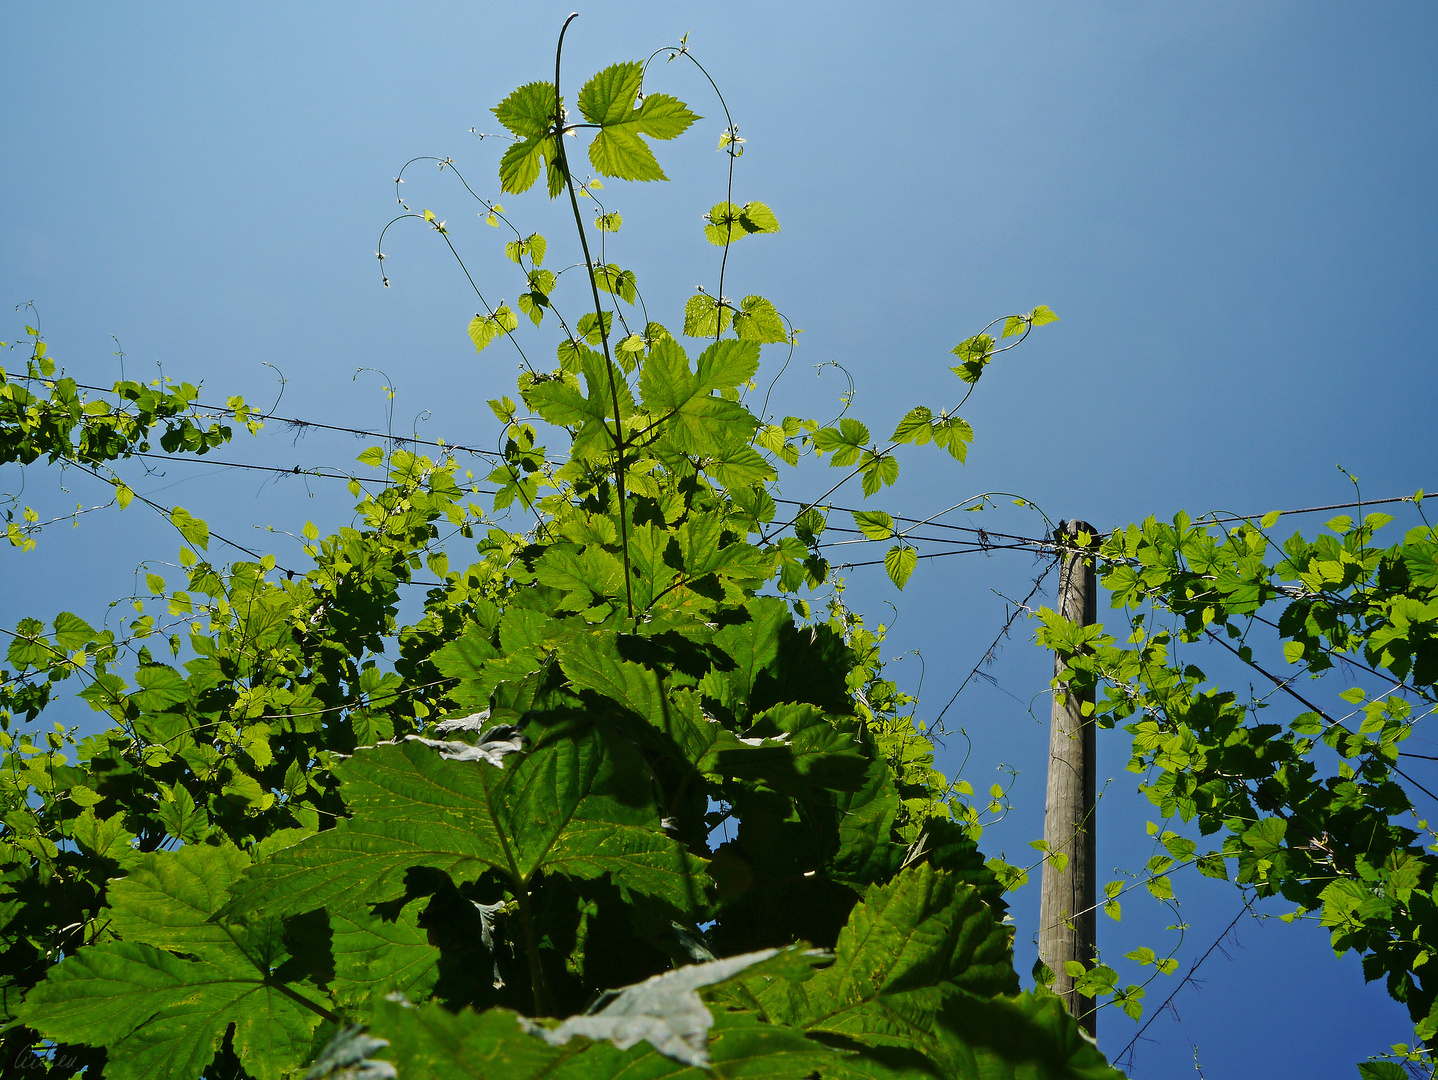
(1231, 206)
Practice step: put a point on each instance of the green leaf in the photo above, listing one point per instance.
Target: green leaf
(160, 688)
(758, 320)
(875, 524)
(692, 419)
(1021, 1038)
(879, 470)
(1042, 316)
(594, 330)
(617, 282)
(899, 563)
(954, 435)
(163, 1015)
(375, 956)
(191, 528)
(72, 632)
(485, 328)
(706, 317)
(529, 113)
(576, 806)
(1382, 1070)
(586, 576)
(739, 467)
(607, 99)
(914, 427)
(435, 1043)
(909, 946)
(728, 222)
(1266, 838)
(845, 443)
(975, 352)
(664, 1011)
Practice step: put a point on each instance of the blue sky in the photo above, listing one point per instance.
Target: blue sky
(1229, 205)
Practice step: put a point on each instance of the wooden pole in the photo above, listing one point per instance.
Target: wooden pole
(1066, 909)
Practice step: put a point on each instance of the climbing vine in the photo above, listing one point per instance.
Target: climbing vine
(626, 795)
(1308, 784)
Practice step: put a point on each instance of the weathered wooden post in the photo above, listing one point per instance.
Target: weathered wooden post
(1066, 908)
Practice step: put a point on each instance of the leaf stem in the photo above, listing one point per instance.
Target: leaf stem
(531, 949)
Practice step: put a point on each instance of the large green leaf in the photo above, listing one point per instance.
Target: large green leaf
(752, 646)
(576, 805)
(791, 747)
(434, 1043)
(905, 950)
(1025, 1037)
(375, 956)
(165, 1016)
(866, 848)
(694, 420)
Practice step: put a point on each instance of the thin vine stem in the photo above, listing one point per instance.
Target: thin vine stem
(559, 130)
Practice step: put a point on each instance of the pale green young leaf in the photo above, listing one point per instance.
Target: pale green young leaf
(915, 426)
(756, 217)
(880, 470)
(954, 435)
(899, 562)
(608, 99)
(737, 466)
(483, 329)
(617, 282)
(681, 399)
(726, 364)
(529, 111)
(705, 317)
(875, 524)
(72, 632)
(758, 320)
(191, 528)
(608, 96)
(592, 329)
(728, 222)
(845, 443)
